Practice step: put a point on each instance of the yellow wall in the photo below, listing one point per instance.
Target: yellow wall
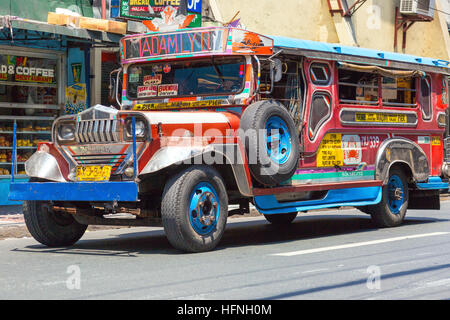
(374, 28)
(306, 19)
(373, 24)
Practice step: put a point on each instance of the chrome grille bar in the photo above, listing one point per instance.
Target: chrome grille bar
(97, 131)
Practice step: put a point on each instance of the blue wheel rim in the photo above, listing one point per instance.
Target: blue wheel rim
(278, 140)
(204, 208)
(395, 194)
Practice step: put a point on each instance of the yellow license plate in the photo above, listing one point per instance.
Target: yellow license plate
(93, 173)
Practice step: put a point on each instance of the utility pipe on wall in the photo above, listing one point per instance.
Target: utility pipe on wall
(103, 9)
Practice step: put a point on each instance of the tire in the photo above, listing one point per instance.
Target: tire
(270, 164)
(281, 219)
(194, 209)
(391, 211)
(50, 228)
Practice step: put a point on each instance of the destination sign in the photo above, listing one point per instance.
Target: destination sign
(174, 44)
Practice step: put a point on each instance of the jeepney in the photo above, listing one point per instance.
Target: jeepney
(212, 117)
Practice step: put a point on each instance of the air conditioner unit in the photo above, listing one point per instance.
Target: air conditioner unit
(417, 7)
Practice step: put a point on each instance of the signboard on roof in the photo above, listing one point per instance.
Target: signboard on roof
(152, 9)
(183, 43)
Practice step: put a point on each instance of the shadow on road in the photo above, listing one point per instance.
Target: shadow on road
(253, 232)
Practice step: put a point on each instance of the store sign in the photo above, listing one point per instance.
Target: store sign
(180, 43)
(27, 69)
(194, 6)
(153, 10)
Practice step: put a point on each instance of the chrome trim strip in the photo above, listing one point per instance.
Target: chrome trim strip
(378, 124)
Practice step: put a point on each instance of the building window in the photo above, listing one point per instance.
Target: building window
(320, 112)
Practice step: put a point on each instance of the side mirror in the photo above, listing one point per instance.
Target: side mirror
(114, 84)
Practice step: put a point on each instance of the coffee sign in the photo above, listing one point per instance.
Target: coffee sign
(26, 69)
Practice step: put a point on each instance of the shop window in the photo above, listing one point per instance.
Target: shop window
(320, 74)
(320, 112)
(399, 92)
(29, 98)
(425, 97)
(357, 87)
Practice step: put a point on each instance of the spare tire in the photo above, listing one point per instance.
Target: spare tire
(271, 142)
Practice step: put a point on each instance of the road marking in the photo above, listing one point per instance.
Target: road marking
(316, 270)
(358, 244)
(438, 283)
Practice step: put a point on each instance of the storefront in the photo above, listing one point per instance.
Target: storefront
(31, 93)
(44, 73)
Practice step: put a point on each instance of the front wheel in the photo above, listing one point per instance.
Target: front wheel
(391, 211)
(194, 209)
(53, 229)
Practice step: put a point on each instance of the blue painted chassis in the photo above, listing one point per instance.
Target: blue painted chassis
(74, 191)
(353, 197)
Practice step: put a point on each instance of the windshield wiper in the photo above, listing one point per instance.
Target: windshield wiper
(217, 71)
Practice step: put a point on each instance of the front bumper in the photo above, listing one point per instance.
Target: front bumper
(74, 191)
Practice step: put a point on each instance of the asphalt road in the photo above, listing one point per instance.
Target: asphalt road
(322, 255)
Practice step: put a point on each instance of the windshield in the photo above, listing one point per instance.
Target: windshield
(208, 76)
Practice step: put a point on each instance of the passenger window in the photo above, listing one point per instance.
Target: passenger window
(288, 90)
(357, 87)
(320, 112)
(425, 97)
(399, 92)
(320, 74)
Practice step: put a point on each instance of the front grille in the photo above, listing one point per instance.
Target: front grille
(447, 149)
(106, 130)
(113, 160)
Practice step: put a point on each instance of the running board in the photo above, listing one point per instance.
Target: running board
(317, 187)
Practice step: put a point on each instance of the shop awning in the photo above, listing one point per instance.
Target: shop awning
(8, 22)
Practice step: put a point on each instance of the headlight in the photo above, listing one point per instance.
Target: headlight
(66, 131)
(139, 126)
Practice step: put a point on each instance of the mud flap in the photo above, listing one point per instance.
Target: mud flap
(424, 199)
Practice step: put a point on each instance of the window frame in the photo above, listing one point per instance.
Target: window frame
(323, 120)
(185, 96)
(428, 80)
(322, 83)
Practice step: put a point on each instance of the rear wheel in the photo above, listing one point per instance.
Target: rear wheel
(194, 209)
(53, 229)
(391, 211)
(281, 219)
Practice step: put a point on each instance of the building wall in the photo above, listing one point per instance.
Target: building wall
(305, 19)
(372, 24)
(374, 28)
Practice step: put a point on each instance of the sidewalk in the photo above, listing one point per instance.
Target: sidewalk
(11, 216)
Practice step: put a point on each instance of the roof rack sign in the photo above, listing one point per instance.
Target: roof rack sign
(184, 12)
(187, 43)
